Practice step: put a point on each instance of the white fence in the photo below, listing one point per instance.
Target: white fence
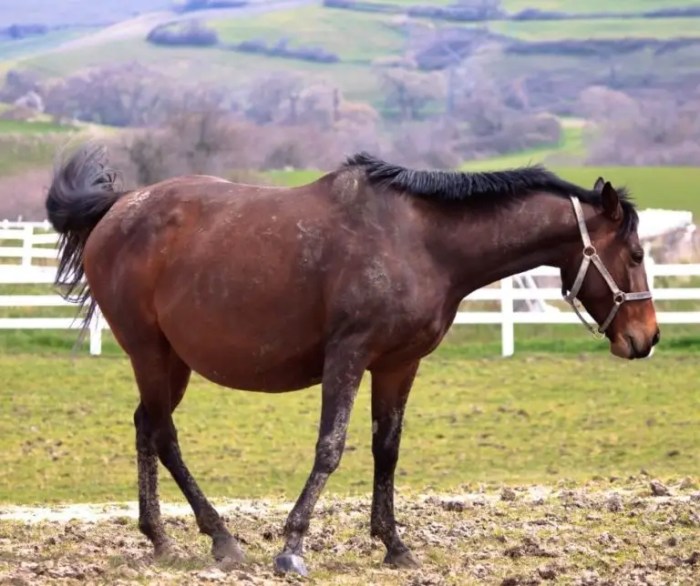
(34, 263)
(31, 249)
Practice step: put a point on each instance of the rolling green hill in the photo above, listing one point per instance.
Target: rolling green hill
(605, 28)
(577, 6)
(359, 37)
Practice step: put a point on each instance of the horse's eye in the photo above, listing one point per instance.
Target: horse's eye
(637, 255)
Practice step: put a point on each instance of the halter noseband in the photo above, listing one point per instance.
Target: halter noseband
(590, 255)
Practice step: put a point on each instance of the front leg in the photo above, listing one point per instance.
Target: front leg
(342, 374)
(390, 390)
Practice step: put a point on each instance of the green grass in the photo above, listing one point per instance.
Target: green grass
(570, 148)
(31, 127)
(338, 31)
(18, 48)
(27, 145)
(614, 28)
(653, 187)
(409, 3)
(18, 156)
(67, 431)
(292, 178)
(576, 6)
(573, 6)
(463, 341)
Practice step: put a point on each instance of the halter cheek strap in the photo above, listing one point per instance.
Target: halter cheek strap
(590, 256)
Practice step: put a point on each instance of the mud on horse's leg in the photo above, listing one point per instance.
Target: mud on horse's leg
(208, 520)
(390, 390)
(341, 379)
(150, 522)
(162, 378)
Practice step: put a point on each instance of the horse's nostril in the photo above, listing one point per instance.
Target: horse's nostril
(657, 337)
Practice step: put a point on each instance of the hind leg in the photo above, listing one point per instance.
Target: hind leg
(150, 522)
(162, 378)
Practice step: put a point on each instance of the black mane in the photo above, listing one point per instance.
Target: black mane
(494, 185)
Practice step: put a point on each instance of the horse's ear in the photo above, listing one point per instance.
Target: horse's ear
(611, 202)
(599, 185)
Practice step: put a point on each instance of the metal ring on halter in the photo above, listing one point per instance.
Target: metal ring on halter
(590, 256)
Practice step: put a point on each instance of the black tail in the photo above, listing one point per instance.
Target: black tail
(81, 193)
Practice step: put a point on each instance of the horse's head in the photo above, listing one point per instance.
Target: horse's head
(607, 275)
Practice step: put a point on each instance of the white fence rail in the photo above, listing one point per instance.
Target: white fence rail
(30, 248)
(507, 294)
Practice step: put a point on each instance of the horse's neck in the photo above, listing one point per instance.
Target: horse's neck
(487, 246)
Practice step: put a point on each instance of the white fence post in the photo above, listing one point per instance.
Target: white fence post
(96, 333)
(650, 267)
(508, 324)
(27, 245)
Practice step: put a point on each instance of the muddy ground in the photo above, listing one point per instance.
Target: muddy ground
(612, 532)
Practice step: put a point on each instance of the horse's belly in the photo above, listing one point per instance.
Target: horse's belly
(251, 374)
(276, 351)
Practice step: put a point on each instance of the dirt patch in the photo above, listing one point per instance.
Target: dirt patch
(535, 536)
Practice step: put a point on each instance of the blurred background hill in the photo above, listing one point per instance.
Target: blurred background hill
(279, 91)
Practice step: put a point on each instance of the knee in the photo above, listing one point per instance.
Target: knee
(385, 454)
(328, 454)
(385, 446)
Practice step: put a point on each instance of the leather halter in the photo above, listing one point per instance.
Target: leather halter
(590, 255)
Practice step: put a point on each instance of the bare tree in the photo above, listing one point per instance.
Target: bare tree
(272, 97)
(409, 91)
(657, 129)
(207, 142)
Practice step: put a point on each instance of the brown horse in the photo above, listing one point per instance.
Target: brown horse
(276, 289)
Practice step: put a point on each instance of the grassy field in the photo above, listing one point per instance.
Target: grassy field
(205, 65)
(530, 419)
(614, 28)
(31, 127)
(319, 26)
(19, 48)
(18, 156)
(575, 6)
(33, 144)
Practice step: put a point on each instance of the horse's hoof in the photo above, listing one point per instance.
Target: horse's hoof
(227, 548)
(289, 562)
(402, 559)
(165, 552)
